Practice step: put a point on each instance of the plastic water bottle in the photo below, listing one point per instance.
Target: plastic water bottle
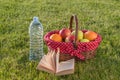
(36, 40)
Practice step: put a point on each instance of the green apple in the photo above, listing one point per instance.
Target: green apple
(84, 40)
(80, 34)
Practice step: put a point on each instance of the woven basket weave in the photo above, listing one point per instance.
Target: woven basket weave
(68, 50)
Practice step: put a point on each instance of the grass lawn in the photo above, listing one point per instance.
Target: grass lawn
(102, 16)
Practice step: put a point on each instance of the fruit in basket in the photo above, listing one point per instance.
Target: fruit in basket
(70, 38)
(64, 32)
(56, 37)
(80, 34)
(84, 40)
(90, 35)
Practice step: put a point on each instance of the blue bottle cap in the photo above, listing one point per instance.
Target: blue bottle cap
(35, 19)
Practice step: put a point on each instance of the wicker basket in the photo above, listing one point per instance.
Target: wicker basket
(68, 50)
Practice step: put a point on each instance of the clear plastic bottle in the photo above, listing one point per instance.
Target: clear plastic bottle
(36, 40)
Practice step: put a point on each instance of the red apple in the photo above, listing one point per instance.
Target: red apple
(70, 38)
(65, 32)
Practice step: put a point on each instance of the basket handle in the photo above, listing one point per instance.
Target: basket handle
(74, 17)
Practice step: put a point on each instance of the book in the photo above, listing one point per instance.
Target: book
(50, 63)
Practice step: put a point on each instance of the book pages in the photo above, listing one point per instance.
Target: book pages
(65, 65)
(45, 64)
(50, 63)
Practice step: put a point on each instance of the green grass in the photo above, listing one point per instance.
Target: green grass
(102, 16)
